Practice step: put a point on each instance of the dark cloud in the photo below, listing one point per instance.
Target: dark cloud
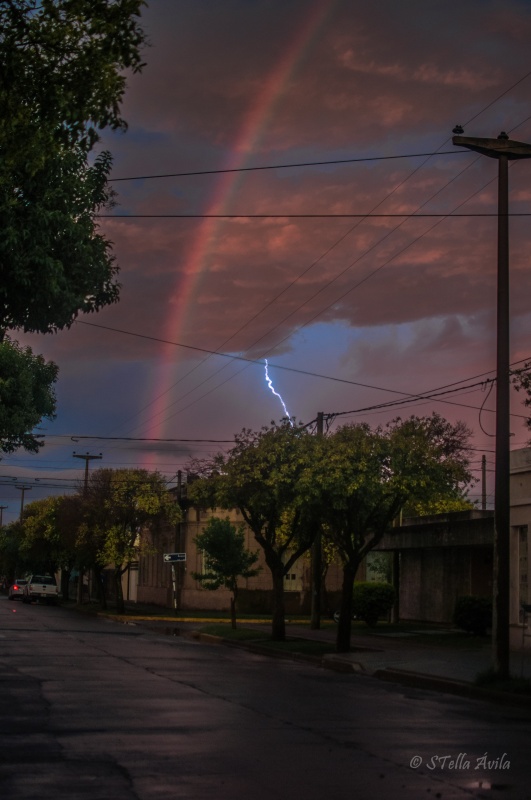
(400, 303)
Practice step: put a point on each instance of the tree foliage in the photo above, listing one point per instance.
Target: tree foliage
(265, 476)
(521, 380)
(26, 396)
(366, 476)
(119, 504)
(227, 558)
(44, 540)
(62, 80)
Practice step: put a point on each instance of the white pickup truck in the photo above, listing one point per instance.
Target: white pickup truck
(40, 587)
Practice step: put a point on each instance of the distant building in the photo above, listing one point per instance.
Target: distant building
(435, 561)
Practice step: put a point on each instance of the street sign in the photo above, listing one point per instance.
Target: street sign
(170, 558)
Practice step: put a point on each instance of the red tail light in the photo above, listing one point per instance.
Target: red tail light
(15, 587)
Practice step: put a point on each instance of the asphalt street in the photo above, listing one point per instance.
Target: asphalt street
(95, 709)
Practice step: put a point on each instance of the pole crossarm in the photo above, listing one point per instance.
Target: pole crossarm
(494, 148)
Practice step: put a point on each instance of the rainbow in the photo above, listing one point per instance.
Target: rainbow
(250, 133)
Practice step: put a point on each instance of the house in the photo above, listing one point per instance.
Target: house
(155, 579)
(438, 559)
(435, 560)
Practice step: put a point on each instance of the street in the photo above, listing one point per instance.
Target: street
(96, 709)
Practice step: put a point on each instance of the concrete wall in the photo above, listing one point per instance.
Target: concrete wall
(255, 595)
(431, 580)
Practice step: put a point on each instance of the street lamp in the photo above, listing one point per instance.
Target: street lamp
(505, 150)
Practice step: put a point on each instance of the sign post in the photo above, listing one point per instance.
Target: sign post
(174, 558)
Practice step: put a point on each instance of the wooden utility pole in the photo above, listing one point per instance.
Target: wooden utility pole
(504, 150)
(483, 483)
(87, 458)
(23, 489)
(317, 559)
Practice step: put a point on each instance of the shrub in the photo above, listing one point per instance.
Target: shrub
(473, 614)
(372, 600)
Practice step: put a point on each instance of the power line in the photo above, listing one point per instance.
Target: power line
(287, 166)
(279, 215)
(275, 366)
(396, 187)
(74, 437)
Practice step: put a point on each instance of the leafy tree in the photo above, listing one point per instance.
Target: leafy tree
(62, 80)
(119, 504)
(227, 559)
(26, 396)
(62, 65)
(12, 564)
(365, 477)
(51, 528)
(265, 476)
(521, 380)
(54, 262)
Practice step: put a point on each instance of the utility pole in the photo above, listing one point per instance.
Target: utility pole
(505, 150)
(483, 483)
(317, 559)
(87, 457)
(2, 514)
(22, 489)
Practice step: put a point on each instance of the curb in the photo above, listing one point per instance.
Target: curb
(339, 664)
(420, 680)
(253, 648)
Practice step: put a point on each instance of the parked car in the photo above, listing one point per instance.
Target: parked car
(40, 587)
(16, 589)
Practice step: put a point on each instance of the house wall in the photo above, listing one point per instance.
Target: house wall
(254, 594)
(441, 558)
(431, 580)
(520, 547)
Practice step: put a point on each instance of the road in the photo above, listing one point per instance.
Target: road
(96, 709)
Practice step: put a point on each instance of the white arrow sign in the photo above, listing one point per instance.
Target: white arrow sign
(171, 557)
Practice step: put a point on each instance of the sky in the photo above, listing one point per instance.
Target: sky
(237, 265)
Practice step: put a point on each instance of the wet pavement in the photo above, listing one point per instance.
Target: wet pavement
(389, 656)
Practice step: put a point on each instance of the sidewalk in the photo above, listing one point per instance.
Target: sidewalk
(393, 657)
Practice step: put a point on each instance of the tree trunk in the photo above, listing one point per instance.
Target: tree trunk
(120, 604)
(80, 586)
(102, 595)
(65, 584)
(233, 611)
(345, 613)
(278, 631)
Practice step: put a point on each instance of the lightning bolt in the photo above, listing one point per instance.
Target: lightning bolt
(270, 384)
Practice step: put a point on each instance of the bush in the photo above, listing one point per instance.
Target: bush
(473, 614)
(372, 600)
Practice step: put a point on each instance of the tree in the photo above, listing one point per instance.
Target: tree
(119, 505)
(12, 564)
(227, 559)
(51, 528)
(265, 476)
(62, 80)
(55, 264)
(26, 396)
(365, 477)
(521, 380)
